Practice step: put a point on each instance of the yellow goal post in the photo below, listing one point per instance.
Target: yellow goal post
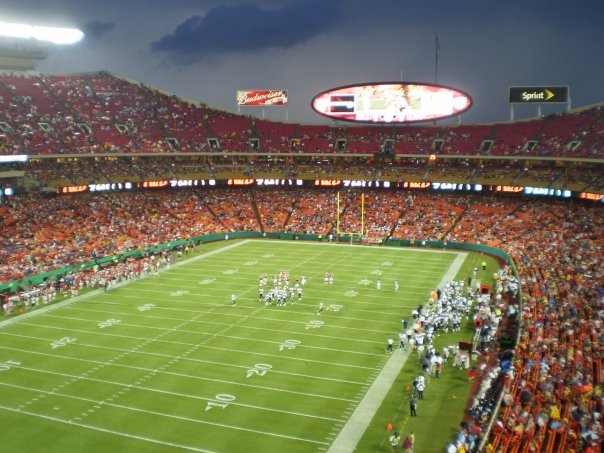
(351, 233)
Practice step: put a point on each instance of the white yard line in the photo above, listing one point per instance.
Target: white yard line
(103, 430)
(233, 337)
(95, 292)
(215, 348)
(196, 304)
(261, 329)
(108, 402)
(350, 435)
(210, 362)
(354, 428)
(197, 377)
(148, 439)
(277, 320)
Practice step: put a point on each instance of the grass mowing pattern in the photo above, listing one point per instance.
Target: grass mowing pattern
(167, 363)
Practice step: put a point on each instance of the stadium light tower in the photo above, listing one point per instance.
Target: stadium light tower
(55, 35)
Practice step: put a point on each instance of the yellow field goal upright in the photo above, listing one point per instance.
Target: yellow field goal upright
(351, 233)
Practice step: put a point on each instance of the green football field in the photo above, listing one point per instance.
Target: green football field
(167, 363)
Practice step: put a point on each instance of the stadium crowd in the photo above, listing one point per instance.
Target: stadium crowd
(551, 382)
(102, 113)
(552, 393)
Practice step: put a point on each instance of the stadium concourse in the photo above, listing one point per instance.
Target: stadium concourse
(545, 395)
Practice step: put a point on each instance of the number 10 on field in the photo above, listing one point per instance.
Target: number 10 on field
(221, 400)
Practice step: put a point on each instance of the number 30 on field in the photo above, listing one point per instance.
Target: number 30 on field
(260, 369)
(289, 344)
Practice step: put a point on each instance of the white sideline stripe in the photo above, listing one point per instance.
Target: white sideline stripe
(104, 430)
(357, 424)
(95, 292)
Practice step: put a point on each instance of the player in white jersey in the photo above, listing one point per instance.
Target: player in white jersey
(396, 285)
(233, 299)
(326, 279)
(379, 285)
(331, 279)
(321, 307)
(303, 280)
(299, 294)
(401, 337)
(389, 345)
(292, 294)
(261, 293)
(268, 299)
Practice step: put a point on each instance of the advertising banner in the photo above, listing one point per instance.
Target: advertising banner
(261, 97)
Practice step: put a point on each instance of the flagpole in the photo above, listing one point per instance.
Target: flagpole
(436, 50)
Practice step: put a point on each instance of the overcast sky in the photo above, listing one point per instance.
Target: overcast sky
(206, 50)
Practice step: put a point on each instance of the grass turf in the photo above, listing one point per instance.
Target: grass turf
(167, 363)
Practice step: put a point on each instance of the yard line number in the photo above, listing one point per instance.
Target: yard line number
(62, 342)
(5, 366)
(259, 369)
(221, 400)
(109, 323)
(315, 324)
(289, 344)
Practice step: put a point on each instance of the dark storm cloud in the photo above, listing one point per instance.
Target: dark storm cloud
(248, 27)
(97, 29)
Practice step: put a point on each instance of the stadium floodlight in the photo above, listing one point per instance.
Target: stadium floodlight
(14, 158)
(54, 35)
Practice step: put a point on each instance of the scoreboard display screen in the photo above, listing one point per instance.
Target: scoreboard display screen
(391, 102)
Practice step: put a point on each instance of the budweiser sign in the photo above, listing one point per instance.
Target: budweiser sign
(262, 97)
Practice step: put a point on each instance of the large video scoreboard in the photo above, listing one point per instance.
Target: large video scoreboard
(391, 102)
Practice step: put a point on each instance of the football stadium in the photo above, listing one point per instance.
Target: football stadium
(179, 277)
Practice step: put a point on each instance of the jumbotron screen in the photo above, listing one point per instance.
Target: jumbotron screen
(391, 102)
